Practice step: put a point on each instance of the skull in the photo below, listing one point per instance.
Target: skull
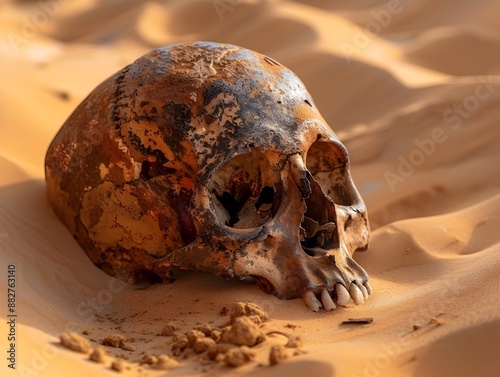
(214, 158)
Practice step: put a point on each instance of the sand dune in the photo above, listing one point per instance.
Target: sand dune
(440, 49)
(413, 92)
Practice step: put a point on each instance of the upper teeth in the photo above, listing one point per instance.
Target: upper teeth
(358, 294)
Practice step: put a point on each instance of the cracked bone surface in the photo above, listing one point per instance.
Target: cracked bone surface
(214, 158)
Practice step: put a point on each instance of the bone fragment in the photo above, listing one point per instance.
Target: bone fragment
(358, 321)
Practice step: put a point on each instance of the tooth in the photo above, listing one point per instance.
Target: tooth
(320, 240)
(343, 297)
(356, 294)
(364, 291)
(328, 303)
(368, 288)
(311, 301)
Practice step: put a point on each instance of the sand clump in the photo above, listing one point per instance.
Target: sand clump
(277, 354)
(165, 362)
(201, 345)
(149, 359)
(238, 356)
(249, 310)
(98, 355)
(75, 342)
(118, 365)
(243, 332)
(160, 362)
(179, 345)
(115, 340)
(238, 342)
(234, 344)
(168, 330)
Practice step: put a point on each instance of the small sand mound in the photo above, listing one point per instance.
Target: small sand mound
(75, 342)
(234, 344)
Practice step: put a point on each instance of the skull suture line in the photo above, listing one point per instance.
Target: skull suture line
(213, 158)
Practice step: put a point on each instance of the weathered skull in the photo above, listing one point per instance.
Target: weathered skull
(213, 158)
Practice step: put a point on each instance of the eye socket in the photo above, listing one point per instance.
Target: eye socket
(245, 192)
(328, 163)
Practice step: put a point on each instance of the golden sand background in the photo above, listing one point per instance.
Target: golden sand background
(413, 90)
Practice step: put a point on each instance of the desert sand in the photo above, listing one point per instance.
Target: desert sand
(412, 88)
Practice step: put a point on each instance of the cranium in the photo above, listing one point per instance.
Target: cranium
(213, 158)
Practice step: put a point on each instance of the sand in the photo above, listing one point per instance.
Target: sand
(412, 88)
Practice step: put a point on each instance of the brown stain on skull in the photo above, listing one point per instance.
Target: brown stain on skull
(208, 157)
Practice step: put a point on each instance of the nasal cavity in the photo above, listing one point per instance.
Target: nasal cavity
(328, 163)
(319, 226)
